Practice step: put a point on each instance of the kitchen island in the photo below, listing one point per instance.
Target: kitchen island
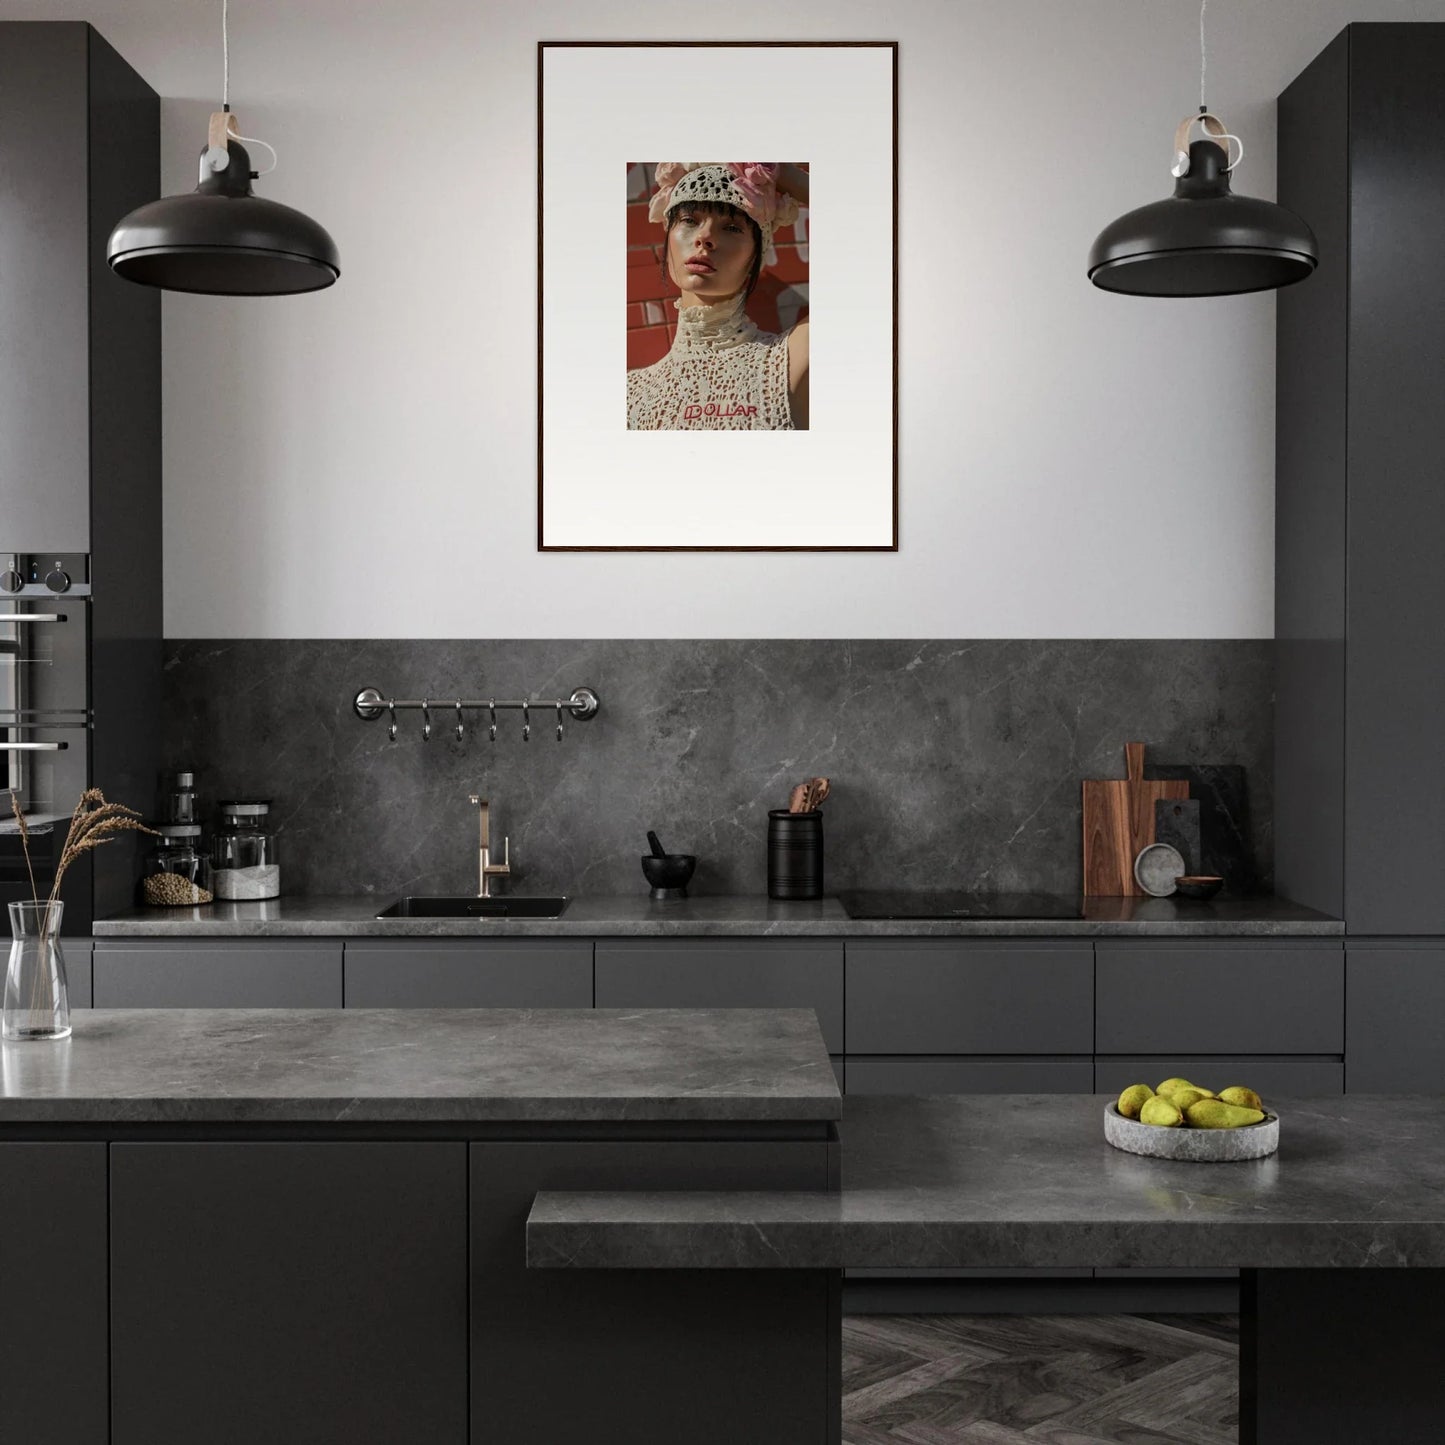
(317, 1219)
(1340, 1235)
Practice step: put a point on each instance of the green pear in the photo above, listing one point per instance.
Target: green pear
(1215, 1114)
(1133, 1099)
(1160, 1111)
(1183, 1098)
(1245, 1098)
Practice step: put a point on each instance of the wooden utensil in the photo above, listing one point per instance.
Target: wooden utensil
(1119, 822)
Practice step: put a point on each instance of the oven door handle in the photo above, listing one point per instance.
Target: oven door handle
(33, 747)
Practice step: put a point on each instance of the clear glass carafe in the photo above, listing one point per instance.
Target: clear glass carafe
(37, 1001)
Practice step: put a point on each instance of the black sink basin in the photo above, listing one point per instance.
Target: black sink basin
(465, 907)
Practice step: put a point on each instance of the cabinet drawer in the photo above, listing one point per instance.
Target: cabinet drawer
(761, 973)
(1243, 998)
(1298, 1078)
(948, 997)
(298, 974)
(456, 973)
(77, 971)
(970, 1076)
(1396, 1018)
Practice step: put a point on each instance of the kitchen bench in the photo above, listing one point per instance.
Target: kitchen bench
(1340, 1235)
(307, 1226)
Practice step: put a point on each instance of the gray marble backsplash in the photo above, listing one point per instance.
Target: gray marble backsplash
(954, 764)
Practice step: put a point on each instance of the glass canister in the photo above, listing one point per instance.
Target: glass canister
(178, 798)
(177, 870)
(244, 862)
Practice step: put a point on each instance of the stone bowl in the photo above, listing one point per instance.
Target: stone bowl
(1197, 1146)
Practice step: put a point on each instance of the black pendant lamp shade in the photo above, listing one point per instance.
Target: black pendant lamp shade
(1203, 240)
(224, 240)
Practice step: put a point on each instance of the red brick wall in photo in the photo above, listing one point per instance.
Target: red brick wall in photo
(779, 299)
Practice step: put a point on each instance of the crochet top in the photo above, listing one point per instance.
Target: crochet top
(722, 374)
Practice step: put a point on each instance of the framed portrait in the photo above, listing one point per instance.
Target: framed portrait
(717, 350)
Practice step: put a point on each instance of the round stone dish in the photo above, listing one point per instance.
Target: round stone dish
(1156, 868)
(1198, 1146)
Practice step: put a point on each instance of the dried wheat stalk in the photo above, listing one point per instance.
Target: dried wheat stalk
(93, 823)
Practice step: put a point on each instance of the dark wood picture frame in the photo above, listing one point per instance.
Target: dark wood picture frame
(542, 47)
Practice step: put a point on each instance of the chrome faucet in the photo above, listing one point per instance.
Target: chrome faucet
(486, 869)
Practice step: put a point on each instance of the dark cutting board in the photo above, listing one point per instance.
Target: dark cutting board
(1224, 837)
(1176, 822)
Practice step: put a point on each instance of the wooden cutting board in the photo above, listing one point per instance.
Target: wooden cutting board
(1118, 822)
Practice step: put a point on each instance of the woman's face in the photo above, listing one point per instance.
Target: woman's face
(709, 255)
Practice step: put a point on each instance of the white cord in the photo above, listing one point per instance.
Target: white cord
(251, 140)
(226, 94)
(1203, 57)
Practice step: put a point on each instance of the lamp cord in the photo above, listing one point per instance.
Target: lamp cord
(1203, 55)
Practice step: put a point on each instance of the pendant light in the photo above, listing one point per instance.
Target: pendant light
(1203, 240)
(222, 239)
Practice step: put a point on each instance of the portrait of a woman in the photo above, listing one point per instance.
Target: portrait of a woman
(722, 371)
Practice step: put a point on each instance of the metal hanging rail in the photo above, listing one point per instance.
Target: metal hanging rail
(370, 703)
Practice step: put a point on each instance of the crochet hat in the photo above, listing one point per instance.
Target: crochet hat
(751, 186)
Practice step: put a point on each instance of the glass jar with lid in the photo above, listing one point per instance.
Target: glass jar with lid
(177, 870)
(178, 798)
(244, 862)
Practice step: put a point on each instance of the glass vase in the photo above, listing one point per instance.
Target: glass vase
(37, 1001)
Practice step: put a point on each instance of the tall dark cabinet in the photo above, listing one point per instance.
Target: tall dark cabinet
(1360, 532)
(80, 448)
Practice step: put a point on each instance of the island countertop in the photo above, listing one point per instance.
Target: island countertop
(720, 915)
(423, 1066)
(1027, 1181)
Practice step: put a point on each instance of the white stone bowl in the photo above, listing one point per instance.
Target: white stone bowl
(1197, 1146)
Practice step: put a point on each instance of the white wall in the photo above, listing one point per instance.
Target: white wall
(362, 462)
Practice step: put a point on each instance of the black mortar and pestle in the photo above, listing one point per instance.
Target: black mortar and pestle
(667, 872)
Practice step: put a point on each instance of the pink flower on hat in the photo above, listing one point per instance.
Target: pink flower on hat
(757, 181)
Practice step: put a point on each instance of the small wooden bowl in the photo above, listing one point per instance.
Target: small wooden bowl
(1198, 885)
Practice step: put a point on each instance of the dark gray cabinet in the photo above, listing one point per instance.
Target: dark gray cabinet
(1160, 996)
(953, 996)
(1360, 511)
(77, 970)
(709, 973)
(970, 1076)
(1272, 1076)
(53, 1329)
(289, 973)
(80, 390)
(1396, 1017)
(748, 1359)
(297, 1293)
(462, 973)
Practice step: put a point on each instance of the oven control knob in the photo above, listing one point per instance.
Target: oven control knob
(11, 581)
(58, 581)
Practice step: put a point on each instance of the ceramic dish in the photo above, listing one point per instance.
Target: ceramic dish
(1195, 1146)
(1156, 868)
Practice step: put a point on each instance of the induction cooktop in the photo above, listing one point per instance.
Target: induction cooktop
(900, 903)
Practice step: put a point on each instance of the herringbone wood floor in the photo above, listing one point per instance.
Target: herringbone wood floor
(1040, 1380)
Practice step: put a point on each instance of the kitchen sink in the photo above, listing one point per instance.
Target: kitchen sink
(463, 906)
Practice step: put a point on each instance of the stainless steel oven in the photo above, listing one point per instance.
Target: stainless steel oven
(45, 718)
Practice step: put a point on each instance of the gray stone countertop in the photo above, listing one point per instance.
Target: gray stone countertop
(360, 1066)
(1027, 1181)
(638, 916)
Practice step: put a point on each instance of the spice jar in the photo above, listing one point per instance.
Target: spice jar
(178, 798)
(177, 869)
(244, 863)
